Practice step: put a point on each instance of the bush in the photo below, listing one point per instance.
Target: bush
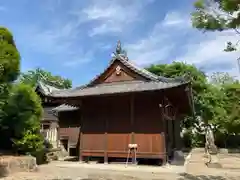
(23, 113)
(30, 142)
(187, 142)
(41, 156)
(20, 106)
(191, 140)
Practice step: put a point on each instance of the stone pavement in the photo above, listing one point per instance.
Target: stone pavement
(194, 169)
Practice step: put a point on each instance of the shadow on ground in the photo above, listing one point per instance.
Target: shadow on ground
(186, 176)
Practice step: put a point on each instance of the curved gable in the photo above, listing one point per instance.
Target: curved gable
(120, 70)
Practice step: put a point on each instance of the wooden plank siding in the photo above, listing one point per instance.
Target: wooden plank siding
(69, 126)
(110, 123)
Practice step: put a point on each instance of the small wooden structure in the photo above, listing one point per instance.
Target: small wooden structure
(127, 105)
(51, 115)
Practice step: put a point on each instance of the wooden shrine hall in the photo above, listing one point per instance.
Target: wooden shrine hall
(127, 108)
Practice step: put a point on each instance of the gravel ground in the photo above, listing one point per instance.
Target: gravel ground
(194, 170)
(52, 171)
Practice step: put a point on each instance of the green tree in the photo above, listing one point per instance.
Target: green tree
(216, 101)
(208, 99)
(199, 80)
(24, 112)
(9, 66)
(227, 119)
(232, 106)
(31, 77)
(218, 15)
(20, 107)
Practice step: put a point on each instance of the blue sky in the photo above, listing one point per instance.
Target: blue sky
(75, 38)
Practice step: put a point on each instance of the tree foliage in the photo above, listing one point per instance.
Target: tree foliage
(199, 80)
(216, 101)
(9, 57)
(218, 15)
(9, 66)
(31, 77)
(24, 112)
(231, 106)
(20, 106)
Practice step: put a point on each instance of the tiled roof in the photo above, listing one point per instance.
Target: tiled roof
(64, 107)
(141, 71)
(45, 89)
(153, 82)
(137, 69)
(112, 88)
(48, 115)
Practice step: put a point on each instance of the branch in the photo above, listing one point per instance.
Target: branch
(237, 31)
(238, 42)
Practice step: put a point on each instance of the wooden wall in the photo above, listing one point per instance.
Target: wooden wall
(109, 124)
(69, 126)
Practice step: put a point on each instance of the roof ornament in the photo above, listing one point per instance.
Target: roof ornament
(120, 52)
(119, 47)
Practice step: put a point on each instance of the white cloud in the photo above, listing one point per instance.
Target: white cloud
(176, 19)
(209, 53)
(156, 46)
(51, 40)
(209, 49)
(150, 49)
(60, 41)
(80, 58)
(111, 16)
(103, 29)
(188, 44)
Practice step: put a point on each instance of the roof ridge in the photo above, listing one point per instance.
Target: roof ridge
(45, 88)
(150, 74)
(135, 67)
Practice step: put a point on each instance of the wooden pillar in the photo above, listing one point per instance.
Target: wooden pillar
(80, 145)
(132, 127)
(81, 133)
(106, 139)
(132, 118)
(177, 137)
(170, 136)
(164, 133)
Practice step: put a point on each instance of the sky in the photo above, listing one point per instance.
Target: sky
(75, 39)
